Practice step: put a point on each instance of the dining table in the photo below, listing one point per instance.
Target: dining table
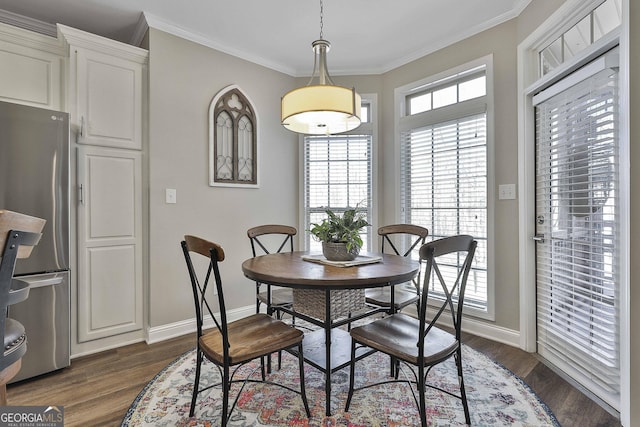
(329, 348)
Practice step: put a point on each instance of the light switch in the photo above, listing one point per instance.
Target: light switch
(170, 195)
(506, 191)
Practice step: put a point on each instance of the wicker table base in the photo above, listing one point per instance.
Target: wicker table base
(313, 302)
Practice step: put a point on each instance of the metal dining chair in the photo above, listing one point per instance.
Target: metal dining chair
(19, 233)
(234, 344)
(267, 239)
(392, 239)
(418, 342)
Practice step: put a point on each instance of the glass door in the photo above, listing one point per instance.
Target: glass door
(577, 228)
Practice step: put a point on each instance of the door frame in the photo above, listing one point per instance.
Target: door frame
(528, 83)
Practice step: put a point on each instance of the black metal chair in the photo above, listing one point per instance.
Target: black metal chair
(419, 342)
(267, 239)
(233, 344)
(19, 233)
(405, 294)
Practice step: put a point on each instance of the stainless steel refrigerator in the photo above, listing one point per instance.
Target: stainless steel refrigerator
(34, 180)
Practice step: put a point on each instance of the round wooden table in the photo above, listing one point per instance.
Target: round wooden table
(291, 270)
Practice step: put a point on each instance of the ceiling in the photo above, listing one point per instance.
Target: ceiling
(367, 36)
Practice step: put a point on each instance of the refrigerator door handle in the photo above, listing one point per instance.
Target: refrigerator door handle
(39, 283)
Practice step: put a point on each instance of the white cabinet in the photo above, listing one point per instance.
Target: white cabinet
(110, 292)
(102, 84)
(31, 68)
(109, 100)
(106, 90)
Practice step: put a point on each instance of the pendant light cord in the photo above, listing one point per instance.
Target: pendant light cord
(321, 18)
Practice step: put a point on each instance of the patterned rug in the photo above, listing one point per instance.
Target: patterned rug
(496, 397)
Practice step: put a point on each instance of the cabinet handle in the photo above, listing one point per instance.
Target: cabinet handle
(82, 126)
(81, 194)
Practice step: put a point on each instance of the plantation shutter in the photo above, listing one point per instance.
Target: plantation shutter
(577, 211)
(338, 171)
(444, 177)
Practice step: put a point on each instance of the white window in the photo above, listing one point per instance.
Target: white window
(338, 174)
(444, 179)
(598, 23)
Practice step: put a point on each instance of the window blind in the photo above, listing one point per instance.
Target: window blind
(338, 175)
(444, 182)
(577, 210)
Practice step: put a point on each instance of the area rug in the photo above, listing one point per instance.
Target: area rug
(496, 397)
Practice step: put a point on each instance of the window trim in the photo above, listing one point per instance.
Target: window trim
(370, 128)
(403, 122)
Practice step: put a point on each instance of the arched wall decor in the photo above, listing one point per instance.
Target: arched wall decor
(233, 140)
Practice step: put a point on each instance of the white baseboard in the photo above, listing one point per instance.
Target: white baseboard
(492, 332)
(172, 330)
(485, 330)
(482, 329)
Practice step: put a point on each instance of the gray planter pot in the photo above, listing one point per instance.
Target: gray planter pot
(338, 251)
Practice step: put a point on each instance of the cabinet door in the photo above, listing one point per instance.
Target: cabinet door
(109, 100)
(30, 76)
(109, 242)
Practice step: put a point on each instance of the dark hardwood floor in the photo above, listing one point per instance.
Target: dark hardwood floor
(98, 389)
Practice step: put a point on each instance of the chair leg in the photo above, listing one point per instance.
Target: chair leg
(422, 407)
(352, 374)
(226, 389)
(463, 394)
(196, 383)
(303, 390)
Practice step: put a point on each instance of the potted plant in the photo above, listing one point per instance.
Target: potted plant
(340, 234)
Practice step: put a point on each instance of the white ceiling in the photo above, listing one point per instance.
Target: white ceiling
(367, 36)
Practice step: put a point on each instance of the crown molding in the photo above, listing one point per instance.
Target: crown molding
(429, 49)
(170, 28)
(27, 23)
(79, 38)
(20, 35)
(140, 30)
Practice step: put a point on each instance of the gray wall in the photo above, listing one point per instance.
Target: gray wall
(501, 42)
(184, 77)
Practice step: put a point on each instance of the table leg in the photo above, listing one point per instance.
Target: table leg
(327, 342)
(393, 362)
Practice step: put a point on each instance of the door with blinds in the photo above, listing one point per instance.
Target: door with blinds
(577, 227)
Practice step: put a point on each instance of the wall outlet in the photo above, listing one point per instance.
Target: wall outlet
(506, 191)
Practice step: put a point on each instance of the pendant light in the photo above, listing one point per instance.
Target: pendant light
(321, 107)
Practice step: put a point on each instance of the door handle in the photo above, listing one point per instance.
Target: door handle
(39, 283)
(538, 238)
